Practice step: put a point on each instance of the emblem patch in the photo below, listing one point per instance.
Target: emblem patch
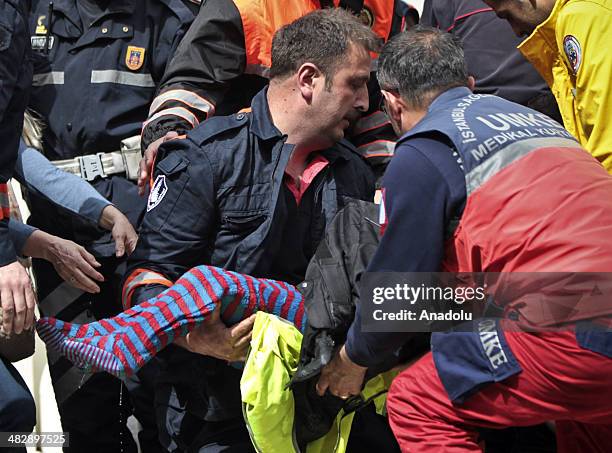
(40, 27)
(573, 52)
(158, 192)
(134, 57)
(40, 42)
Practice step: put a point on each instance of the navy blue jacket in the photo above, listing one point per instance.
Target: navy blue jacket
(93, 86)
(15, 79)
(217, 199)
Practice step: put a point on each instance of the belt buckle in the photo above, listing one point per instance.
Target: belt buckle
(91, 166)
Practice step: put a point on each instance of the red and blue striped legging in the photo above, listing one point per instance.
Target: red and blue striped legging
(121, 345)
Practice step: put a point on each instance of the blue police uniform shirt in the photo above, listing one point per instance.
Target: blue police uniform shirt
(93, 84)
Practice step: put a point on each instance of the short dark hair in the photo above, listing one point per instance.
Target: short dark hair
(420, 64)
(321, 37)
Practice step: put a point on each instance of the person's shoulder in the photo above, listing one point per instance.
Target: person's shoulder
(218, 127)
(210, 137)
(348, 151)
(577, 11)
(184, 10)
(586, 4)
(417, 154)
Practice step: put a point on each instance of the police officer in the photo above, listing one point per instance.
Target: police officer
(96, 66)
(206, 78)
(15, 78)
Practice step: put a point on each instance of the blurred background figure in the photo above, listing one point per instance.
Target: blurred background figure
(491, 54)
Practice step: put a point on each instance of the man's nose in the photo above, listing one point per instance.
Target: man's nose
(362, 103)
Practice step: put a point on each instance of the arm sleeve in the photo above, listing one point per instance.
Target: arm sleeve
(7, 249)
(590, 24)
(65, 190)
(416, 201)
(19, 234)
(210, 56)
(176, 229)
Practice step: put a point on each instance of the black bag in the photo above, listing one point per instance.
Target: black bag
(331, 292)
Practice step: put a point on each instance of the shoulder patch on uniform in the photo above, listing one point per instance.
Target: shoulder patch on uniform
(158, 192)
(134, 57)
(573, 51)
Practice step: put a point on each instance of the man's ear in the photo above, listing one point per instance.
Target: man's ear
(471, 83)
(395, 106)
(308, 76)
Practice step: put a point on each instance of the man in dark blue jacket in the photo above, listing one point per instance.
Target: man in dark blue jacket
(252, 192)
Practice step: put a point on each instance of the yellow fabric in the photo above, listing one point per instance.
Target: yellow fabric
(584, 98)
(267, 403)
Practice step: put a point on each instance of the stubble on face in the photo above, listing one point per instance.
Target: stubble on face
(343, 101)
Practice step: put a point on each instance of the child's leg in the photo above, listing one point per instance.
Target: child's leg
(121, 345)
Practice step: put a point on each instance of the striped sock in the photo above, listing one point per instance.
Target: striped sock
(121, 345)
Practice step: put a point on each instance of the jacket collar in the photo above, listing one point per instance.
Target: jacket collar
(261, 122)
(453, 93)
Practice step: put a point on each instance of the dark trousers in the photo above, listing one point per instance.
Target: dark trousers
(17, 410)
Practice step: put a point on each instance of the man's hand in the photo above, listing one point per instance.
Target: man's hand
(146, 163)
(342, 377)
(71, 261)
(121, 229)
(17, 299)
(213, 338)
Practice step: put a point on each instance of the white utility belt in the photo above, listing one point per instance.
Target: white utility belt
(92, 166)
